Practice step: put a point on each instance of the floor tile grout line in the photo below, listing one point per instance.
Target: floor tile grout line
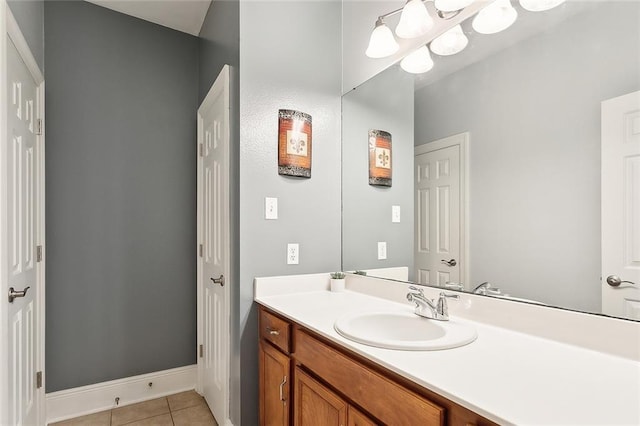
(170, 412)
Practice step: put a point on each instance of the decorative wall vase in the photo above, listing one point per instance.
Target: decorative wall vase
(379, 158)
(294, 143)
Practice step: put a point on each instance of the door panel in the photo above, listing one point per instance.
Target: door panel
(438, 215)
(215, 339)
(22, 197)
(621, 205)
(213, 122)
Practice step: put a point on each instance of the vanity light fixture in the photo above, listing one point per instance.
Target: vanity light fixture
(417, 62)
(452, 5)
(381, 43)
(540, 5)
(449, 43)
(496, 17)
(414, 21)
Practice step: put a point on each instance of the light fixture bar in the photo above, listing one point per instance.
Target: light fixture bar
(393, 12)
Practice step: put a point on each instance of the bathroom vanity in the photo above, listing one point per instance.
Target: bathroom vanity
(312, 375)
(306, 379)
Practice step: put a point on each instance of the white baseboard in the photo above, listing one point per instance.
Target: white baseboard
(90, 399)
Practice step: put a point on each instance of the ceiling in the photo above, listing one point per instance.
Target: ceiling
(182, 15)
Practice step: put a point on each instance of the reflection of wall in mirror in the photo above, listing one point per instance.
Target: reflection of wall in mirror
(384, 102)
(533, 112)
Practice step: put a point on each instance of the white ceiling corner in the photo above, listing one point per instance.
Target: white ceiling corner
(182, 15)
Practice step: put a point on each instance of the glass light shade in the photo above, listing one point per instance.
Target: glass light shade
(452, 5)
(449, 43)
(540, 5)
(496, 17)
(414, 21)
(381, 43)
(418, 62)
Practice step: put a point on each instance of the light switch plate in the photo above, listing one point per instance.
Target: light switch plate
(270, 208)
(395, 214)
(293, 253)
(382, 250)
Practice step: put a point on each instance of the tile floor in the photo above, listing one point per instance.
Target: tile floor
(181, 409)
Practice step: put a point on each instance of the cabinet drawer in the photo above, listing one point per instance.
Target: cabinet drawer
(383, 398)
(274, 330)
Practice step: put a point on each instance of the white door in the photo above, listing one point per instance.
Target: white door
(23, 158)
(621, 206)
(213, 210)
(440, 205)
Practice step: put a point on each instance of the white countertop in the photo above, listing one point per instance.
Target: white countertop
(506, 376)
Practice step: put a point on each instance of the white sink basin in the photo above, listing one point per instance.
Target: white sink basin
(404, 330)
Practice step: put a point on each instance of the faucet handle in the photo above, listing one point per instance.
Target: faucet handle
(414, 288)
(451, 296)
(442, 307)
(454, 285)
(419, 293)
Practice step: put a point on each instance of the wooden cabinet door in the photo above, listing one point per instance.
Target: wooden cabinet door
(356, 418)
(274, 386)
(315, 405)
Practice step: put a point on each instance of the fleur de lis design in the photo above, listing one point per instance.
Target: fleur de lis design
(297, 145)
(383, 157)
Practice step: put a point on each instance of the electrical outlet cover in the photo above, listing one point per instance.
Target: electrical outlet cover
(382, 250)
(293, 254)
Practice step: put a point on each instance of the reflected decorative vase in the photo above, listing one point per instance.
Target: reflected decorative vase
(337, 285)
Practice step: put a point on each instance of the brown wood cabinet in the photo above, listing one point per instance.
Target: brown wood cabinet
(316, 404)
(356, 418)
(333, 386)
(274, 386)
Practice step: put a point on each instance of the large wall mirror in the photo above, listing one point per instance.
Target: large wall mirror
(497, 162)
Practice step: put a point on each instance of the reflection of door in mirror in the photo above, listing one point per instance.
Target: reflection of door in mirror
(440, 202)
(621, 206)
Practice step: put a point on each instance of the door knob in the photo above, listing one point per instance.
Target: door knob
(219, 280)
(451, 262)
(615, 281)
(14, 294)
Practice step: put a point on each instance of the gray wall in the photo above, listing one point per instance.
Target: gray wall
(290, 58)
(534, 116)
(219, 44)
(121, 195)
(384, 103)
(29, 15)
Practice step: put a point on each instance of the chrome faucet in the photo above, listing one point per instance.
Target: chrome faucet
(427, 308)
(486, 289)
